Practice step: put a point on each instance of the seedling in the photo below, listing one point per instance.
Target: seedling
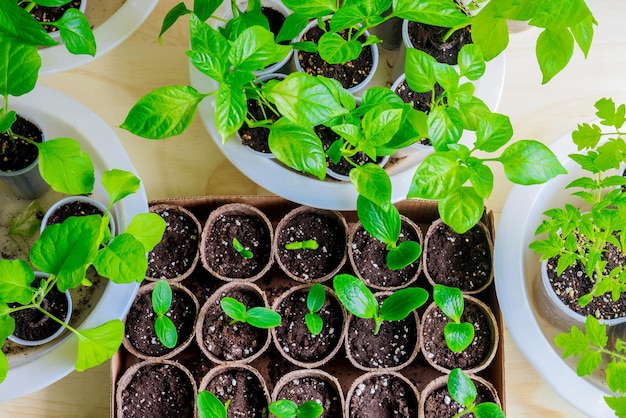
(244, 252)
(314, 302)
(209, 406)
(259, 316)
(309, 244)
(161, 303)
(361, 302)
(463, 391)
(458, 335)
(285, 408)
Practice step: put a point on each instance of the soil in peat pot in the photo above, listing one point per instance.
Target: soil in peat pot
(15, 153)
(439, 403)
(45, 14)
(429, 39)
(33, 325)
(382, 396)
(244, 391)
(315, 387)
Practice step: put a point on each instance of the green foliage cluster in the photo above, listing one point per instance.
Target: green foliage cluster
(458, 335)
(463, 390)
(258, 316)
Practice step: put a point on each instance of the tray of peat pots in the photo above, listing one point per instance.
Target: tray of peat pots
(281, 271)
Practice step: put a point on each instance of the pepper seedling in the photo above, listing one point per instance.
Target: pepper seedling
(209, 406)
(161, 303)
(458, 335)
(314, 302)
(309, 244)
(285, 408)
(244, 252)
(463, 390)
(258, 316)
(361, 302)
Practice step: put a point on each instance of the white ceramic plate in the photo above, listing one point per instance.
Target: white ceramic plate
(108, 35)
(62, 116)
(516, 272)
(278, 179)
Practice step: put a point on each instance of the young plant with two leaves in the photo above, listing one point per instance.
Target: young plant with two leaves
(463, 390)
(64, 252)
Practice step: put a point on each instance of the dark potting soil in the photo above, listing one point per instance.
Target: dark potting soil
(15, 153)
(392, 346)
(276, 20)
(330, 235)
(429, 39)
(33, 325)
(308, 388)
(158, 390)
(75, 208)
(574, 283)
(140, 322)
(419, 101)
(439, 403)
(52, 14)
(176, 252)
(257, 138)
(251, 232)
(435, 343)
(237, 341)
(349, 74)
(383, 396)
(342, 167)
(463, 261)
(244, 391)
(295, 338)
(370, 255)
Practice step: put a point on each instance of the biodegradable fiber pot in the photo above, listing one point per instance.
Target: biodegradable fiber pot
(140, 337)
(316, 385)
(394, 347)
(368, 257)
(223, 342)
(175, 257)
(242, 385)
(480, 352)
(156, 388)
(435, 400)
(382, 394)
(251, 228)
(464, 260)
(293, 339)
(328, 228)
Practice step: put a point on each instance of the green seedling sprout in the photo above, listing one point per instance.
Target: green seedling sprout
(285, 408)
(309, 244)
(463, 391)
(244, 252)
(314, 302)
(161, 303)
(209, 406)
(259, 316)
(458, 335)
(361, 302)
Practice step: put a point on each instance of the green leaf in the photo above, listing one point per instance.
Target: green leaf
(355, 296)
(123, 260)
(27, 221)
(380, 125)
(461, 209)
(205, 8)
(97, 345)
(76, 32)
(314, 323)
(334, 49)
(583, 33)
(471, 62)
(586, 136)
(609, 114)
(261, 317)
(596, 332)
(437, 176)
(461, 388)
(119, 184)
(383, 224)
(420, 70)
(373, 183)
(7, 323)
(493, 132)
(447, 77)
(19, 68)
(209, 50)
(255, 49)
(489, 32)
(405, 253)
(284, 408)
(172, 16)
(316, 297)
(7, 120)
(559, 14)
(488, 410)
(230, 110)
(530, 162)
(434, 12)
(401, 303)
(445, 126)
(233, 308)
(161, 297)
(352, 13)
(147, 228)
(313, 8)
(293, 25)
(481, 177)
(554, 50)
(298, 147)
(164, 112)
(65, 166)
(458, 336)
(589, 362)
(618, 404)
(615, 373)
(449, 300)
(473, 112)
(20, 25)
(166, 331)
(209, 406)
(16, 278)
(310, 409)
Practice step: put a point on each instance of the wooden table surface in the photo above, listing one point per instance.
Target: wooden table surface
(192, 165)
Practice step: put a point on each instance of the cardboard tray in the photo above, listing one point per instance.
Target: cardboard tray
(203, 285)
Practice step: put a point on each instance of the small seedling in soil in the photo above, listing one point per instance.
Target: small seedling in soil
(284, 408)
(361, 302)
(314, 302)
(161, 303)
(259, 316)
(459, 335)
(244, 252)
(463, 390)
(309, 244)
(209, 406)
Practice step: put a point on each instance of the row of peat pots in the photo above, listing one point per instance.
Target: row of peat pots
(346, 367)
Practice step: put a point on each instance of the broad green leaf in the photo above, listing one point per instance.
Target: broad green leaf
(445, 126)
(554, 50)
(7, 120)
(559, 14)
(233, 308)
(355, 296)
(618, 404)
(404, 254)
(4, 367)
(473, 112)
(447, 77)
(481, 177)
(352, 13)
(209, 50)
(119, 184)
(437, 176)
(530, 162)
(65, 166)
(255, 49)
(76, 32)
(166, 331)
(334, 49)
(609, 114)
(401, 303)
(314, 323)
(316, 297)
(449, 300)
(589, 362)
(298, 147)
(458, 336)
(261, 317)
(382, 223)
(205, 8)
(294, 24)
(284, 408)
(596, 332)
(461, 209)
(433, 12)
(312, 8)
(164, 112)
(123, 260)
(161, 297)
(493, 132)
(587, 136)
(20, 25)
(488, 410)
(461, 388)
(491, 34)
(379, 125)
(27, 221)
(15, 279)
(615, 373)
(238, 25)
(19, 68)
(97, 345)
(172, 16)
(472, 62)
(147, 228)
(583, 33)
(7, 323)
(310, 409)
(374, 96)
(372, 182)
(230, 110)
(420, 70)
(209, 406)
